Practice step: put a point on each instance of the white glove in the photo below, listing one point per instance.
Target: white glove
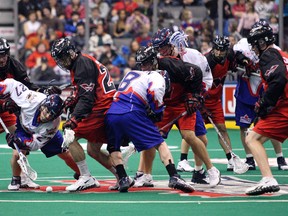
(68, 137)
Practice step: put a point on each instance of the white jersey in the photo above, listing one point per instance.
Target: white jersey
(137, 90)
(193, 56)
(30, 101)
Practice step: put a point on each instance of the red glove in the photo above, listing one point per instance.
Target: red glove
(70, 103)
(71, 123)
(191, 103)
(10, 106)
(205, 113)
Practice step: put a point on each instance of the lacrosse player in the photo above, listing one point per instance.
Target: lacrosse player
(94, 95)
(12, 68)
(249, 87)
(186, 84)
(137, 105)
(271, 108)
(37, 123)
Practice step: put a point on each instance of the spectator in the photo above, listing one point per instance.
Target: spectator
(71, 24)
(115, 58)
(137, 22)
(247, 20)
(205, 47)
(79, 38)
(57, 9)
(238, 9)
(103, 6)
(131, 64)
(193, 41)
(95, 19)
(120, 26)
(147, 9)
(51, 22)
(97, 41)
(34, 60)
(187, 20)
(264, 8)
(134, 47)
(128, 5)
(274, 24)
(144, 38)
(24, 9)
(75, 5)
(31, 26)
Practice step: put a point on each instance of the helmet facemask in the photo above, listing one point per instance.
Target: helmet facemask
(51, 108)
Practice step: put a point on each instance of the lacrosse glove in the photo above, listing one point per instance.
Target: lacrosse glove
(70, 103)
(191, 103)
(71, 123)
(155, 117)
(12, 138)
(10, 106)
(51, 90)
(261, 109)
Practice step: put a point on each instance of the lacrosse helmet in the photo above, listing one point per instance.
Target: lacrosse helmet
(161, 41)
(179, 40)
(261, 35)
(4, 54)
(53, 105)
(146, 56)
(63, 51)
(220, 49)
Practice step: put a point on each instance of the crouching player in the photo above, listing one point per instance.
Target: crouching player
(137, 105)
(37, 123)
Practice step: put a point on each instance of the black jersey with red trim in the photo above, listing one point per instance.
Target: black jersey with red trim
(16, 70)
(94, 85)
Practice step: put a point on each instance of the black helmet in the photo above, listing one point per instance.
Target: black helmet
(146, 55)
(54, 105)
(261, 30)
(221, 43)
(62, 50)
(4, 46)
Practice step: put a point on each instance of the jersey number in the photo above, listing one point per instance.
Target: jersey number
(127, 80)
(107, 83)
(20, 89)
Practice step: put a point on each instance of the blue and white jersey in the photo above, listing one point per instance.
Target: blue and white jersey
(30, 101)
(137, 91)
(193, 56)
(248, 89)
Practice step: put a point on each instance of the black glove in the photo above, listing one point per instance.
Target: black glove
(10, 106)
(155, 117)
(261, 109)
(12, 138)
(52, 90)
(70, 103)
(205, 113)
(71, 123)
(191, 103)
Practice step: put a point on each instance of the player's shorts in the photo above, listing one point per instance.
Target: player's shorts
(8, 119)
(53, 147)
(200, 128)
(186, 122)
(216, 109)
(92, 128)
(244, 114)
(274, 125)
(135, 126)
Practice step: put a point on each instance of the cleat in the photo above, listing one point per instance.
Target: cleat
(116, 186)
(214, 176)
(282, 165)
(15, 183)
(230, 165)
(144, 180)
(126, 153)
(83, 183)
(125, 183)
(251, 163)
(266, 185)
(176, 182)
(184, 166)
(26, 182)
(199, 177)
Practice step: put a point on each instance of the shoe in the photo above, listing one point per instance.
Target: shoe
(230, 165)
(26, 182)
(125, 183)
(126, 153)
(251, 163)
(116, 186)
(266, 185)
(176, 182)
(83, 183)
(214, 176)
(184, 166)
(282, 165)
(15, 183)
(76, 176)
(199, 177)
(145, 180)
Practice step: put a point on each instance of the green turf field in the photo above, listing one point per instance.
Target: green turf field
(227, 199)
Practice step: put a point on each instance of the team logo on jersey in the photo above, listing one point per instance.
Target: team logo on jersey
(271, 70)
(245, 119)
(87, 87)
(219, 81)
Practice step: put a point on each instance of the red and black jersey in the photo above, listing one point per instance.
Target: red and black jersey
(95, 88)
(16, 70)
(273, 65)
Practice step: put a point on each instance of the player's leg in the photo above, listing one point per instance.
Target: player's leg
(67, 158)
(249, 156)
(282, 164)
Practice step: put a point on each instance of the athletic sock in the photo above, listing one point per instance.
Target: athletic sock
(171, 169)
(121, 171)
(183, 156)
(84, 171)
(279, 155)
(198, 168)
(228, 156)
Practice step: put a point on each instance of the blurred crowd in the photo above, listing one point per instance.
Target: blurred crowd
(111, 21)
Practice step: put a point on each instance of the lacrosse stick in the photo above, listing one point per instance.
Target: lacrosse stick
(173, 121)
(22, 161)
(239, 166)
